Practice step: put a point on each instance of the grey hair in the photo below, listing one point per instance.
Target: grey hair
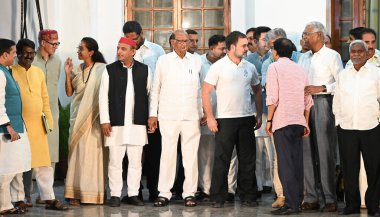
(319, 27)
(275, 33)
(180, 32)
(360, 42)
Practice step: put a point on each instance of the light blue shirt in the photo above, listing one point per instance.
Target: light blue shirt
(148, 54)
(257, 60)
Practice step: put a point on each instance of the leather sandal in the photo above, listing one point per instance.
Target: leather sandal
(56, 205)
(190, 201)
(161, 201)
(13, 211)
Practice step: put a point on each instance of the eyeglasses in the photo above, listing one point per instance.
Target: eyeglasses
(181, 41)
(307, 34)
(53, 44)
(80, 48)
(28, 54)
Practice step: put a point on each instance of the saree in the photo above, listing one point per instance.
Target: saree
(86, 161)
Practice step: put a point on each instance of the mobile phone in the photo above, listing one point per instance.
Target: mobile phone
(7, 136)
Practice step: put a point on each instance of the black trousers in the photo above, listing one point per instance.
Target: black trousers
(289, 148)
(351, 144)
(233, 131)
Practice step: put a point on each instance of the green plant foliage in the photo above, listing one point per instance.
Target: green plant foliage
(64, 125)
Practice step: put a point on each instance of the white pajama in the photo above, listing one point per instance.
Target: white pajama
(190, 136)
(45, 181)
(232, 173)
(11, 190)
(363, 185)
(262, 144)
(115, 169)
(206, 162)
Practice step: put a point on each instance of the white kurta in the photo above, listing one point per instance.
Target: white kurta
(14, 156)
(129, 134)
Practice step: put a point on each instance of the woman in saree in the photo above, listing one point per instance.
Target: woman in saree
(85, 180)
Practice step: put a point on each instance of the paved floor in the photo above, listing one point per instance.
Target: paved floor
(175, 209)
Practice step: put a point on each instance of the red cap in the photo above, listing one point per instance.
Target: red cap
(124, 40)
(48, 35)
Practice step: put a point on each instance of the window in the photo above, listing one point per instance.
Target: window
(159, 18)
(348, 14)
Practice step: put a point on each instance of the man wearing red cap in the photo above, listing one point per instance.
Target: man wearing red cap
(51, 66)
(123, 108)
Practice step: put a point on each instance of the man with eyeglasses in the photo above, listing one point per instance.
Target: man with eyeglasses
(50, 64)
(148, 53)
(175, 102)
(322, 65)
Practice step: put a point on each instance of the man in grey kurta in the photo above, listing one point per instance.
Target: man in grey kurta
(51, 66)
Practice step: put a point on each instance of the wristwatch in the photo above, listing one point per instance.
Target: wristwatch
(324, 88)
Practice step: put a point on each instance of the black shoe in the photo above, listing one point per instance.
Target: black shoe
(217, 204)
(259, 194)
(230, 198)
(249, 203)
(114, 201)
(134, 200)
(376, 213)
(202, 196)
(285, 211)
(141, 195)
(349, 210)
(267, 189)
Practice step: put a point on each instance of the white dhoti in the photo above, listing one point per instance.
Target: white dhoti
(190, 135)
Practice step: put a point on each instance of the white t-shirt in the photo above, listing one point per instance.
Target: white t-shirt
(233, 84)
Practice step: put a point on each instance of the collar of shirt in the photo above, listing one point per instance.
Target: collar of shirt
(204, 57)
(228, 59)
(352, 69)
(124, 66)
(175, 55)
(147, 44)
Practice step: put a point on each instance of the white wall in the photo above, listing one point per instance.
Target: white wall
(73, 20)
(291, 15)
(103, 20)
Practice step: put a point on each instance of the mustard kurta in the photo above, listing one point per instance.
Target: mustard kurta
(35, 101)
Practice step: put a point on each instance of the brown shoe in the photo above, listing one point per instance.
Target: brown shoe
(310, 207)
(330, 207)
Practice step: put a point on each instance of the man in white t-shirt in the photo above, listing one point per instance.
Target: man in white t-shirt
(234, 79)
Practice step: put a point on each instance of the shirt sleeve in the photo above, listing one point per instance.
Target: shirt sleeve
(103, 98)
(308, 99)
(212, 76)
(336, 106)
(255, 77)
(3, 114)
(272, 86)
(156, 89)
(335, 67)
(264, 69)
(149, 81)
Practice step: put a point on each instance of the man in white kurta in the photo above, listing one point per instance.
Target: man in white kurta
(15, 155)
(175, 103)
(126, 137)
